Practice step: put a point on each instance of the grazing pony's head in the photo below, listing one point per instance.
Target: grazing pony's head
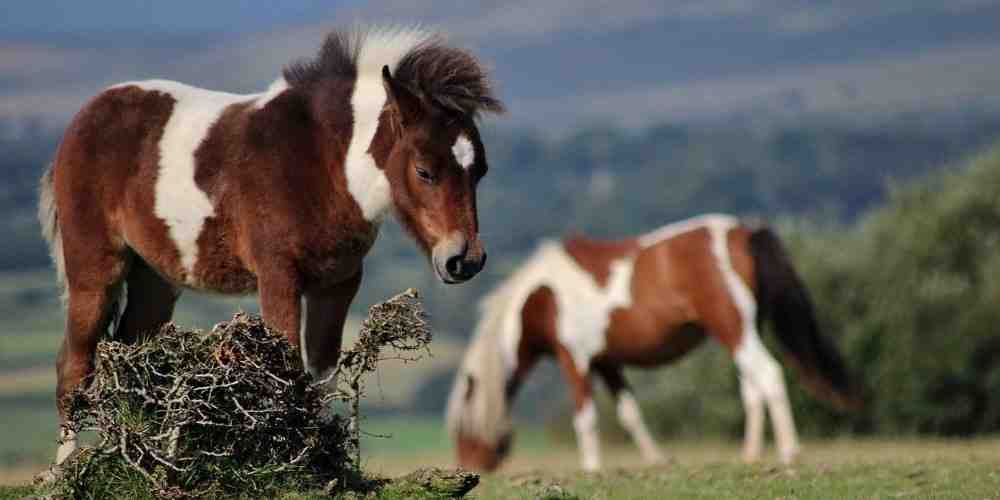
(415, 145)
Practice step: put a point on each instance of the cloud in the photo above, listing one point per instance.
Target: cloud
(793, 18)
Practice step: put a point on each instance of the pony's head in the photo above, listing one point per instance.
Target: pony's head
(433, 169)
(411, 103)
(478, 415)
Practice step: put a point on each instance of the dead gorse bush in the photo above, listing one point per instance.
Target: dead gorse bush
(231, 411)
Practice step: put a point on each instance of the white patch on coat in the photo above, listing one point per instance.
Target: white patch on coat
(680, 227)
(179, 202)
(584, 307)
(464, 151)
(276, 88)
(367, 183)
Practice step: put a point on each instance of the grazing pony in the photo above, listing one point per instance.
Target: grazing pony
(596, 306)
(159, 186)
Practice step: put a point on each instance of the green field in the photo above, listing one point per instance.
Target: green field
(838, 469)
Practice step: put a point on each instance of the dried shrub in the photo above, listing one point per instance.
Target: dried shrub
(229, 412)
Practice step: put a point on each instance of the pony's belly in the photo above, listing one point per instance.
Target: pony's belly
(215, 269)
(672, 346)
(228, 278)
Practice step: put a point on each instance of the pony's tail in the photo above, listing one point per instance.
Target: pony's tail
(48, 217)
(782, 297)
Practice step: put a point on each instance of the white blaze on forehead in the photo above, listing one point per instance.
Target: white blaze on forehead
(367, 183)
(179, 202)
(465, 153)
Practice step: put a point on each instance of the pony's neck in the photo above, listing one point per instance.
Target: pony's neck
(368, 150)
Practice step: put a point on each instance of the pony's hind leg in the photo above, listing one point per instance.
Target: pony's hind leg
(150, 301)
(753, 408)
(90, 308)
(758, 368)
(629, 414)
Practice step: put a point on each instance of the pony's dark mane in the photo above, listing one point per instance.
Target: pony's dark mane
(449, 78)
(337, 58)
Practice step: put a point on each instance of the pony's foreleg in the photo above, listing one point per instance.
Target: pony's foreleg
(629, 414)
(280, 294)
(323, 315)
(585, 414)
(753, 433)
(757, 366)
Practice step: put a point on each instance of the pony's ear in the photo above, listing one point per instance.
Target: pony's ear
(405, 101)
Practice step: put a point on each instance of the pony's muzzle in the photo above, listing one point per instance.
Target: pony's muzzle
(457, 260)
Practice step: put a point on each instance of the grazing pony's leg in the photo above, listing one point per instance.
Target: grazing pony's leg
(761, 382)
(585, 416)
(150, 301)
(323, 315)
(759, 368)
(629, 414)
(753, 408)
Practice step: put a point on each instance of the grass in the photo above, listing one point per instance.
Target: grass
(845, 468)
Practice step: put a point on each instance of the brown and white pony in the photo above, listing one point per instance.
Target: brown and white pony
(596, 306)
(159, 186)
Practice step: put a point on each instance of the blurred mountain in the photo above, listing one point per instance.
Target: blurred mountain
(559, 62)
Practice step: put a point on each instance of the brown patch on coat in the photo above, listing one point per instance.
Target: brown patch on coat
(595, 256)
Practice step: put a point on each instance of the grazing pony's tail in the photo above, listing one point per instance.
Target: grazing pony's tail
(782, 297)
(48, 217)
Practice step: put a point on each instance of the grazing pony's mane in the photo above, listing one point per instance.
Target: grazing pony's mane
(492, 354)
(450, 78)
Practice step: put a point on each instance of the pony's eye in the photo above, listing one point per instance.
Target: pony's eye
(424, 175)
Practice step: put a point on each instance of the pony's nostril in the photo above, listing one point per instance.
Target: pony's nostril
(454, 265)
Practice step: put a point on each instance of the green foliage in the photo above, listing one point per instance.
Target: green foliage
(913, 295)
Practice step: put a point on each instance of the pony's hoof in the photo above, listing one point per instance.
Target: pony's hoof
(789, 457)
(658, 459)
(49, 475)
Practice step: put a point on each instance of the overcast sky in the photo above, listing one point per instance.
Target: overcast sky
(558, 63)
